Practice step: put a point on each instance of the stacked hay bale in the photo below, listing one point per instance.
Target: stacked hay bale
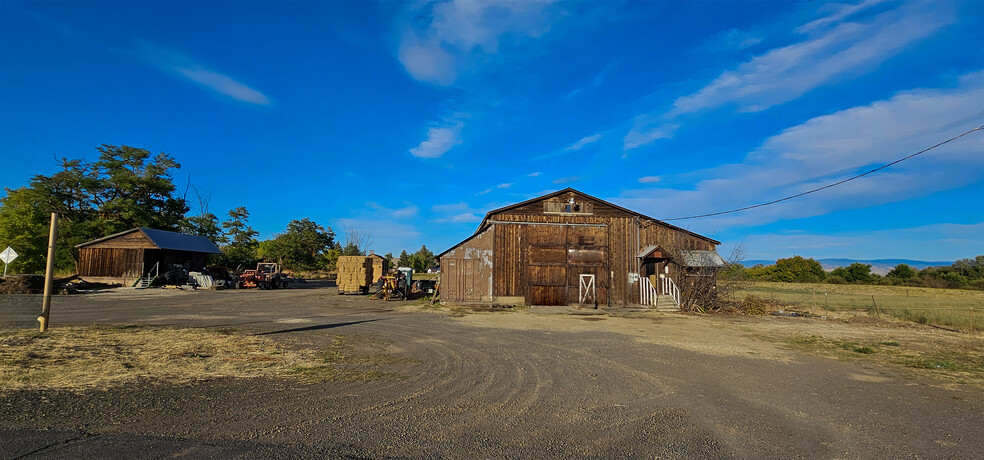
(379, 267)
(354, 274)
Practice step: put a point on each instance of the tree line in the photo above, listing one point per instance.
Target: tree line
(962, 274)
(129, 187)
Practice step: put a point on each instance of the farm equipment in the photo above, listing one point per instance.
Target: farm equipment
(393, 286)
(266, 276)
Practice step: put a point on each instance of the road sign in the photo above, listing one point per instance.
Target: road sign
(7, 256)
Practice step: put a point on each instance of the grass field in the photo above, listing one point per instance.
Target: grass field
(954, 308)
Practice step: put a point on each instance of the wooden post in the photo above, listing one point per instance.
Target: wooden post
(49, 273)
(972, 320)
(877, 313)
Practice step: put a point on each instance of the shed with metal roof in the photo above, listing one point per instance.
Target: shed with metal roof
(126, 256)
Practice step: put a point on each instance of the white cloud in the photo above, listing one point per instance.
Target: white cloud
(534, 174)
(584, 141)
(504, 185)
(408, 210)
(649, 179)
(441, 137)
(567, 180)
(184, 67)
(784, 74)
(839, 13)
(446, 35)
(456, 213)
(645, 130)
(833, 147)
(733, 39)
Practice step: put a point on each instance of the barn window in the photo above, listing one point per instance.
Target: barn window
(567, 207)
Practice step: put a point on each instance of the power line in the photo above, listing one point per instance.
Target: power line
(828, 185)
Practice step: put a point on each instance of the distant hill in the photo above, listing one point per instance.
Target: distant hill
(879, 266)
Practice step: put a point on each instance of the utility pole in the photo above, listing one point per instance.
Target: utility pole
(49, 273)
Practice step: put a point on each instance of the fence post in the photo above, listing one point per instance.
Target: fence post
(972, 320)
(877, 313)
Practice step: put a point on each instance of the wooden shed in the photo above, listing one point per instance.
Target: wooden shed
(126, 256)
(570, 248)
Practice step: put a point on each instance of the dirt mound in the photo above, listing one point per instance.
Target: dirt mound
(22, 284)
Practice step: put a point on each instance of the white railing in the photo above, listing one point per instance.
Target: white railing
(647, 292)
(668, 287)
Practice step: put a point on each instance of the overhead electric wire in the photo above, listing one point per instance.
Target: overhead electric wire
(828, 185)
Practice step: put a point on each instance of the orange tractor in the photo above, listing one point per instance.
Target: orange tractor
(266, 276)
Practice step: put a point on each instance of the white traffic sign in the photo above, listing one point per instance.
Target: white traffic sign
(7, 256)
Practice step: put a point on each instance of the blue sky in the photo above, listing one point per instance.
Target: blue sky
(410, 120)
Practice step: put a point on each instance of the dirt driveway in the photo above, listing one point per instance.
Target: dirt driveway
(528, 384)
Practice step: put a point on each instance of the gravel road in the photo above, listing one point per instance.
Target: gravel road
(493, 385)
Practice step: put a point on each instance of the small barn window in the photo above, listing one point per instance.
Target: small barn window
(566, 207)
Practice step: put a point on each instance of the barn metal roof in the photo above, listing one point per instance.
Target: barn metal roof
(709, 259)
(164, 239)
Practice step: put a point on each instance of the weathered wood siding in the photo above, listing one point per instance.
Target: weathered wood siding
(466, 271)
(134, 240)
(521, 263)
(122, 263)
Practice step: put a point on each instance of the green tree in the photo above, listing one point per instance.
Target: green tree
(303, 245)
(857, 273)
(421, 260)
(902, 272)
(242, 243)
(125, 188)
(205, 224)
(24, 227)
(796, 269)
(404, 260)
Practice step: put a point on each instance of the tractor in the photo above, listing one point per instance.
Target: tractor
(266, 276)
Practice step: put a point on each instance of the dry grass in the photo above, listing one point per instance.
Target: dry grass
(942, 307)
(101, 356)
(959, 361)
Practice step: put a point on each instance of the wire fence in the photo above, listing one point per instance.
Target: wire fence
(954, 309)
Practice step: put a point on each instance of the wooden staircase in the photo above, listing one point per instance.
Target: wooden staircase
(147, 280)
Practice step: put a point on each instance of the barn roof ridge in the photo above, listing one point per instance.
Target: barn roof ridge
(485, 220)
(165, 239)
(608, 203)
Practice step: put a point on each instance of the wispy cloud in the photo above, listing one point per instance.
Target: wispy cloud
(445, 36)
(179, 65)
(534, 174)
(649, 179)
(829, 148)
(504, 185)
(456, 213)
(837, 48)
(567, 180)
(408, 210)
(783, 74)
(583, 142)
(597, 81)
(839, 12)
(441, 137)
(732, 40)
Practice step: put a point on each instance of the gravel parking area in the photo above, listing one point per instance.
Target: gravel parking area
(529, 384)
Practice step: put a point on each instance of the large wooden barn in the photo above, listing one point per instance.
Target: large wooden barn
(570, 248)
(126, 256)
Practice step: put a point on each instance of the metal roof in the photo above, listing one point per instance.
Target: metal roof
(164, 239)
(709, 259)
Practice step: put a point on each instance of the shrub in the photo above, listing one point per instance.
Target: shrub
(834, 279)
